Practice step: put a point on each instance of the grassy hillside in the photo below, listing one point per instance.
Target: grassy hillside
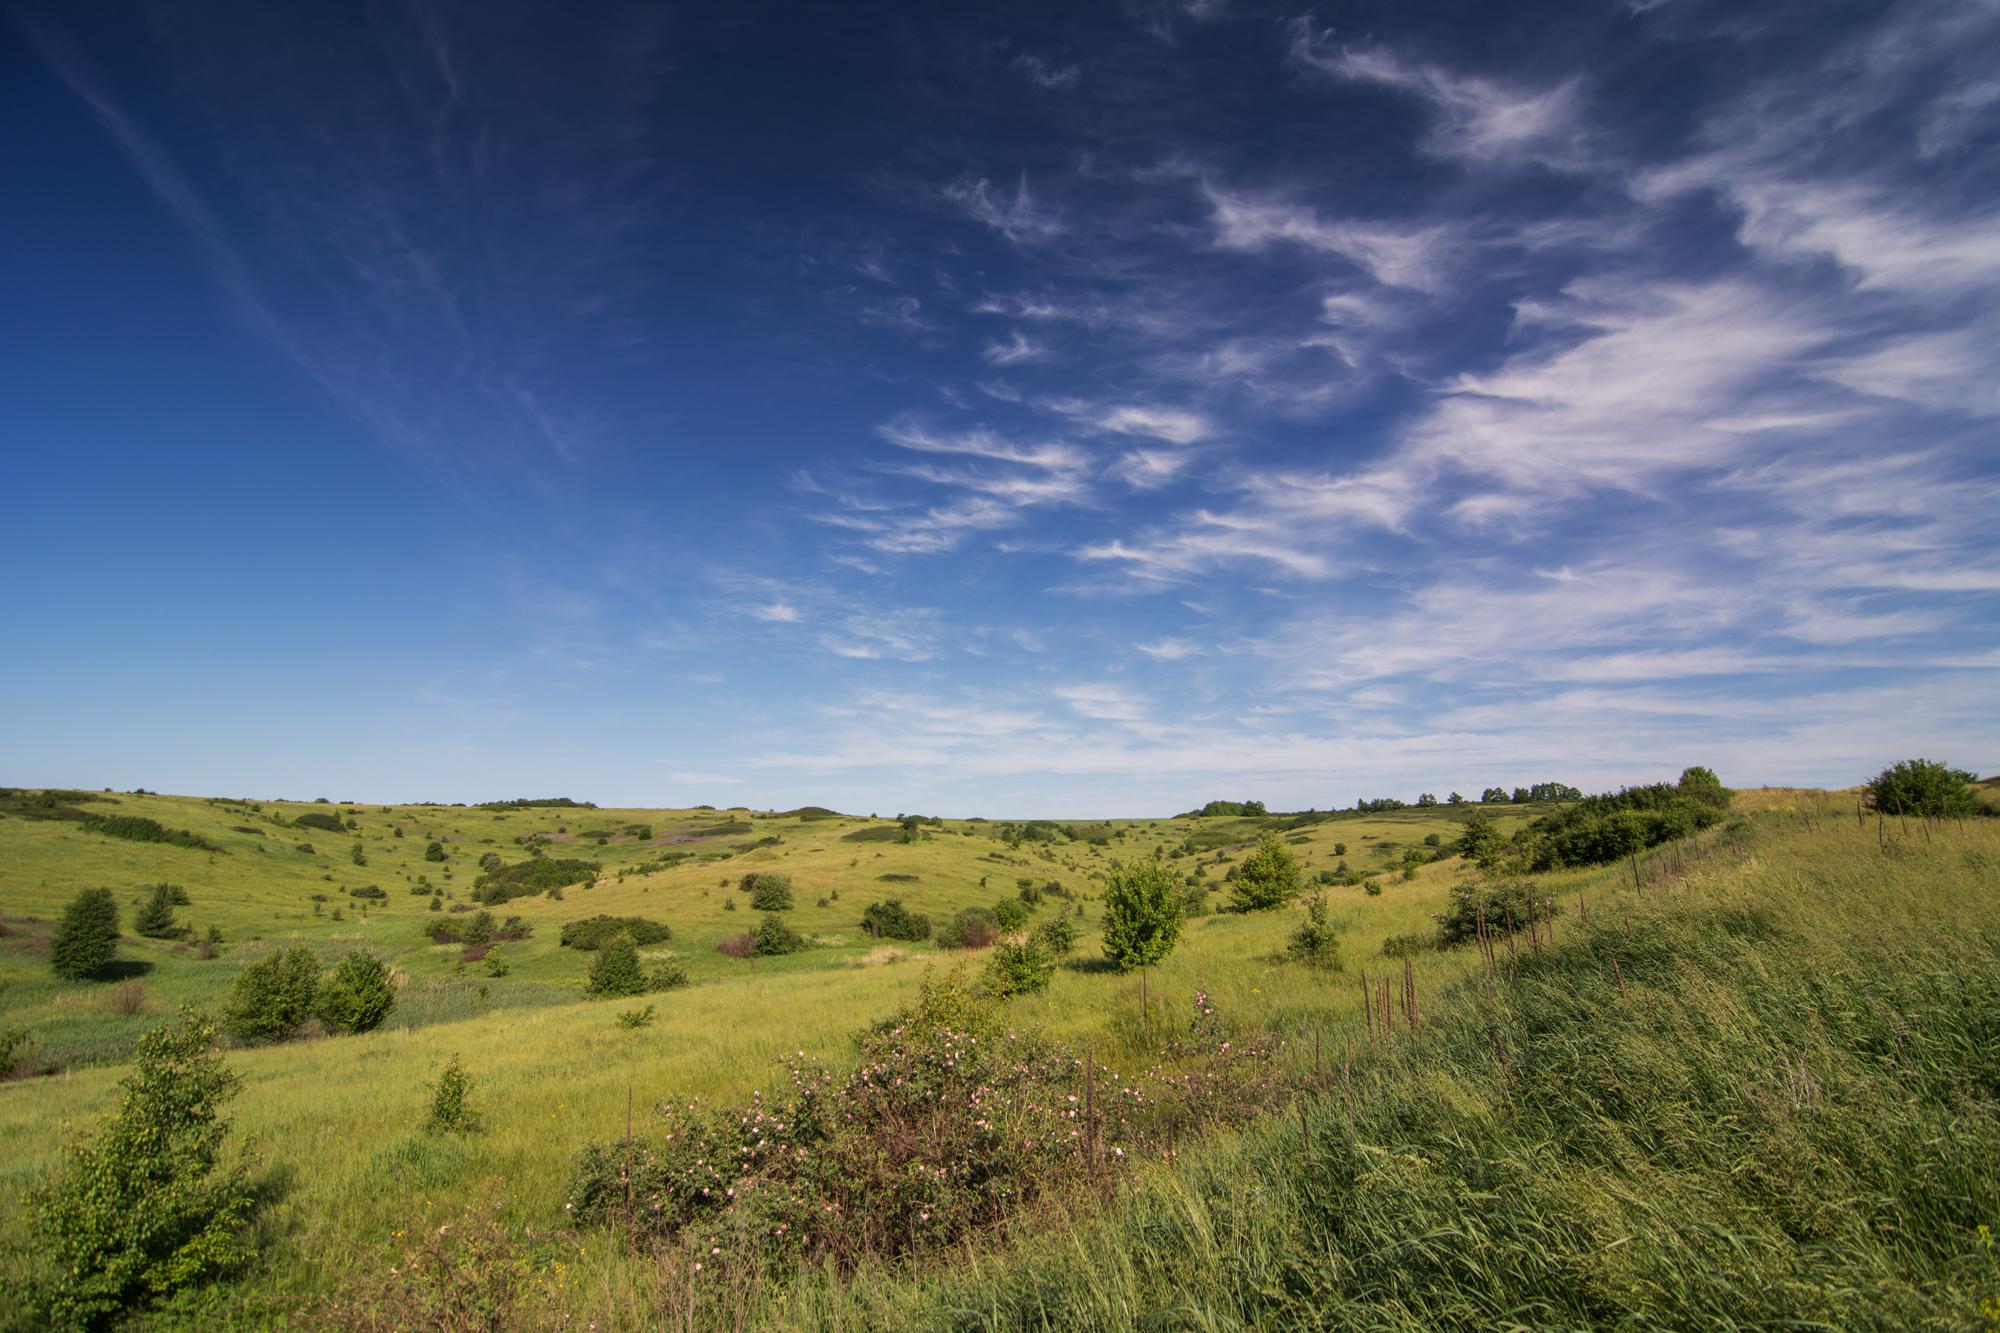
(1789, 950)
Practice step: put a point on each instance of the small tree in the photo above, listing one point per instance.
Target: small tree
(357, 995)
(773, 936)
(1020, 969)
(156, 919)
(146, 1208)
(769, 892)
(434, 852)
(1315, 942)
(1142, 913)
(1922, 787)
(451, 1102)
(87, 938)
(273, 995)
(1268, 877)
(616, 969)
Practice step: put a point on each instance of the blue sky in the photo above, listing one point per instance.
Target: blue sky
(1067, 410)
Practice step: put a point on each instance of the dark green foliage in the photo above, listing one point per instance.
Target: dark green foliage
(145, 1209)
(87, 937)
(636, 1018)
(728, 828)
(1010, 913)
(24, 803)
(1923, 788)
(357, 994)
(773, 936)
(1380, 805)
(891, 920)
(134, 828)
(874, 833)
(1503, 904)
(15, 1042)
(1056, 936)
(537, 874)
(526, 803)
(156, 919)
(1597, 829)
(616, 971)
(1315, 943)
(1268, 877)
(1142, 913)
(667, 974)
(592, 932)
(1224, 809)
(372, 892)
(1481, 842)
(274, 995)
(1020, 969)
(359, 855)
(319, 819)
(768, 892)
(451, 1102)
(434, 851)
(1493, 796)
(971, 928)
(897, 877)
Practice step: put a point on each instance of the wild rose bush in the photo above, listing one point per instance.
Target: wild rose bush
(950, 1125)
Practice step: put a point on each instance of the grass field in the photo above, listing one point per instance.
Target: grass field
(1850, 919)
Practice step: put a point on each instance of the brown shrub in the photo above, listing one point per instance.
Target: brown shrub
(472, 953)
(127, 997)
(738, 946)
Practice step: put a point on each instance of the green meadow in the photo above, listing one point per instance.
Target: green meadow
(1748, 1079)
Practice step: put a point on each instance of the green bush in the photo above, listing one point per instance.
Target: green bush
(773, 936)
(591, 932)
(86, 939)
(1020, 969)
(1011, 913)
(667, 974)
(156, 919)
(1142, 913)
(636, 1018)
(615, 971)
(537, 874)
(15, 1042)
(768, 892)
(273, 995)
(451, 1102)
(1924, 788)
(145, 1209)
(357, 994)
(972, 928)
(434, 851)
(1503, 904)
(891, 920)
(1268, 877)
(1315, 943)
(1056, 936)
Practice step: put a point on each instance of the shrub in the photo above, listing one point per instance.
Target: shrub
(1056, 936)
(1142, 913)
(274, 995)
(616, 969)
(451, 1102)
(1504, 906)
(1921, 787)
(1020, 969)
(86, 940)
(156, 919)
(592, 932)
(1315, 943)
(972, 928)
(357, 994)
(537, 874)
(636, 1018)
(768, 892)
(434, 851)
(667, 974)
(1597, 829)
(737, 946)
(373, 892)
(146, 1209)
(1010, 913)
(1268, 877)
(891, 920)
(359, 855)
(128, 997)
(773, 936)
(15, 1042)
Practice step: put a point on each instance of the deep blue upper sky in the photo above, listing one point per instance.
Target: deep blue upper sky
(1065, 409)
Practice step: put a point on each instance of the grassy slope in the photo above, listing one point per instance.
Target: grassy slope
(554, 1069)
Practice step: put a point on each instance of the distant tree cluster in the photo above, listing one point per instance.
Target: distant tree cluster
(1237, 809)
(1541, 791)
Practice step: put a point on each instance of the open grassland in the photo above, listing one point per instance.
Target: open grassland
(1781, 1104)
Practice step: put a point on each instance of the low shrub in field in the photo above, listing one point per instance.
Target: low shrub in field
(15, 1043)
(616, 970)
(357, 994)
(1020, 968)
(738, 946)
(1402, 946)
(273, 997)
(592, 932)
(636, 1018)
(1010, 914)
(128, 997)
(537, 874)
(480, 927)
(146, 1208)
(86, 939)
(1924, 788)
(372, 892)
(319, 819)
(891, 920)
(773, 936)
(451, 1102)
(1056, 936)
(156, 919)
(1504, 905)
(769, 892)
(948, 1128)
(1268, 877)
(1315, 943)
(972, 928)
